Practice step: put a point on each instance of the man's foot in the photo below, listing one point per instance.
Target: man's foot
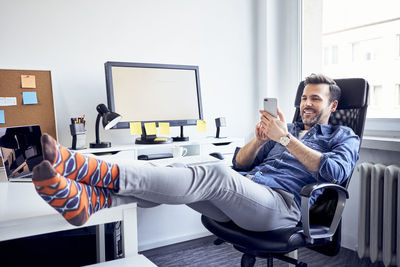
(78, 167)
(76, 202)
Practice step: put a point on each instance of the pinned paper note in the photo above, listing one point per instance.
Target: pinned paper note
(11, 101)
(29, 98)
(28, 81)
(136, 128)
(150, 128)
(2, 118)
(164, 128)
(201, 126)
(8, 101)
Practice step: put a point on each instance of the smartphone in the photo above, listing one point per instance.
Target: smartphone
(271, 106)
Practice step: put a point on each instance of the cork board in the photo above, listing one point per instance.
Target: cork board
(41, 113)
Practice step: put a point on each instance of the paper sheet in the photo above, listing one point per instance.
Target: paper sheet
(164, 128)
(150, 128)
(28, 81)
(201, 126)
(135, 128)
(29, 98)
(2, 118)
(8, 101)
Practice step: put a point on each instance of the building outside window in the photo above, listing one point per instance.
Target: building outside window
(354, 42)
(398, 45)
(377, 96)
(398, 95)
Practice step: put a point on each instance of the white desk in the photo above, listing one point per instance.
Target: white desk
(23, 213)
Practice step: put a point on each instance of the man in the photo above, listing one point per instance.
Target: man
(275, 165)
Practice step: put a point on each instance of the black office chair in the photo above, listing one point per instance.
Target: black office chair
(320, 228)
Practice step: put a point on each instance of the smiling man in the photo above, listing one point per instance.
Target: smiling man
(285, 157)
(263, 196)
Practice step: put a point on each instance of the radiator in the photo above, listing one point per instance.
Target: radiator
(379, 224)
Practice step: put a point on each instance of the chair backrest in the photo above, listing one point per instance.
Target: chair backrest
(351, 112)
(352, 107)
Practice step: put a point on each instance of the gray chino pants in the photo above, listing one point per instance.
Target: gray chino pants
(214, 190)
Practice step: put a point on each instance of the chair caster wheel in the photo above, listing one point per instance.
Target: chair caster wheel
(248, 260)
(218, 241)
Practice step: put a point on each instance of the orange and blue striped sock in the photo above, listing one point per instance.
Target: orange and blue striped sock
(78, 167)
(75, 201)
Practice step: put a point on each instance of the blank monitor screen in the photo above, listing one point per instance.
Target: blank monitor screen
(154, 93)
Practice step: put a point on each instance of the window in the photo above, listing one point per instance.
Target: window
(377, 96)
(334, 54)
(351, 43)
(398, 45)
(355, 51)
(326, 55)
(331, 55)
(398, 95)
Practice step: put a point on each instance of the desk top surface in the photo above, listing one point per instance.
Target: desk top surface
(19, 200)
(23, 213)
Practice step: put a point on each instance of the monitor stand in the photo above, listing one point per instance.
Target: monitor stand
(180, 138)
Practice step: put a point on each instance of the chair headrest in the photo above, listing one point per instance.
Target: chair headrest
(354, 93)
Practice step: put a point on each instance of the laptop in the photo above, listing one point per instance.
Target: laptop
(21, 150)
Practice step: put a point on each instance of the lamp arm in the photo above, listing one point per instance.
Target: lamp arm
(97, 129)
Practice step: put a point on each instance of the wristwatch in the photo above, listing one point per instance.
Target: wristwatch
(285, 140)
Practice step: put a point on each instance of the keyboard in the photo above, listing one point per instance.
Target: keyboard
(189, 161)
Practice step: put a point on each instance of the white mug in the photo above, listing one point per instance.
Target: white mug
(179, 151)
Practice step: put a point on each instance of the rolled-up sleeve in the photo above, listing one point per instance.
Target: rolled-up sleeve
(261, 155)
(335, 166)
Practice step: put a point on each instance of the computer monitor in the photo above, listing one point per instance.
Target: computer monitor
(143, 92)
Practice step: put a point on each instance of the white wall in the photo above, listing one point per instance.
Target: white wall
(74, 38)
(283, 53)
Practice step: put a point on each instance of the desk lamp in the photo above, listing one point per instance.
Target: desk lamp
(109, 120)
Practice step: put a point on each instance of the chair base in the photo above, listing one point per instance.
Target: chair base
(250, 260)
(249, 257)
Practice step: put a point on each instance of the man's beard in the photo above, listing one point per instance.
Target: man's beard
(313, 121)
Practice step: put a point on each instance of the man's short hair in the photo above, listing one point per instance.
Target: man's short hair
(334, 89)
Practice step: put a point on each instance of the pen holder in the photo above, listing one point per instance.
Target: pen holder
(78, 133)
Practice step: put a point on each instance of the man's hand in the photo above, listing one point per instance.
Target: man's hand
(260, 135)
(272, 127)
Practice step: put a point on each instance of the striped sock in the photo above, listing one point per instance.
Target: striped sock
(78, 167)
(76, 202)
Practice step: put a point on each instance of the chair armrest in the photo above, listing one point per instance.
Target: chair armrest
(306, 193)
(307, 190)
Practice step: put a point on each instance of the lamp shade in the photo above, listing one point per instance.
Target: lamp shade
(110, 120)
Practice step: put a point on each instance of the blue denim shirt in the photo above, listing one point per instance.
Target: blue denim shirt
(275, 167)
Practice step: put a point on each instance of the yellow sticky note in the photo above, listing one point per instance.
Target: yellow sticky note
(201, 126)
(136, 128)
(28, 81)
(150, 128)
(164, 128)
